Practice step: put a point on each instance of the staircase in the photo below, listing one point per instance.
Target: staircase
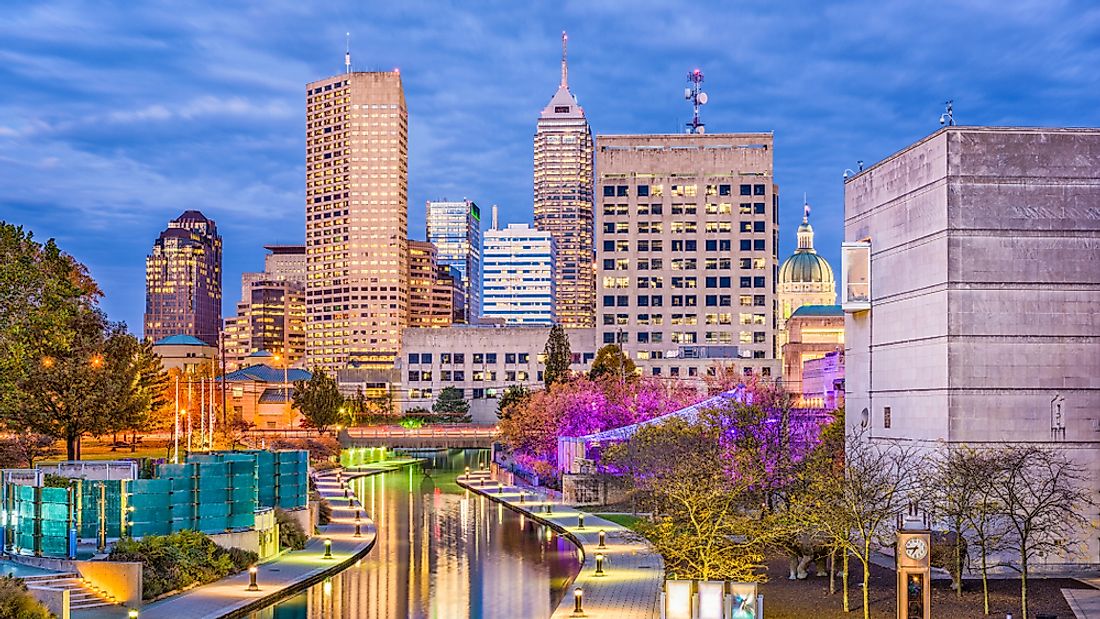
(82, 594)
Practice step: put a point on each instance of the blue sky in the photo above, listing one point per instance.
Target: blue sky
(117, 116)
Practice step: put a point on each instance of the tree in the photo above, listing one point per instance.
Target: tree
(150, 389)
(1042, 494)
(451, 406)
(513, 396)
(23, 449)
(558, 357)
(319, 401)
(611, 362)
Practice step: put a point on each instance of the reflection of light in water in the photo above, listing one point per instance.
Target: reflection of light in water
(327, 587)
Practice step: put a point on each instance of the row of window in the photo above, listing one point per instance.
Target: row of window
(718, 208)
(722, 318)
(687, 337)
(655, 282)
(642, 191)
(487, 358)
(684, 264)
(687, 245)
(683, 227)
(477, 376)
(677, 300)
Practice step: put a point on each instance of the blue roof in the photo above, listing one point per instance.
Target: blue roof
(181, 339)
(277, 395)
(266, 374)
(819, 310)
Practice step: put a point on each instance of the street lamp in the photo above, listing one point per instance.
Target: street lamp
(599, 564)
(358, 530)
(328, 548)
(603, 539)
(286, 382)
(578, 595)
(580, 521)
(252, 571)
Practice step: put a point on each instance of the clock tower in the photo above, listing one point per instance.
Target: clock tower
(914, 567)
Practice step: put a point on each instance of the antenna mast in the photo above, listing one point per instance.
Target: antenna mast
(564, 65)
(347, 52)
(698, 98)
(948, 117)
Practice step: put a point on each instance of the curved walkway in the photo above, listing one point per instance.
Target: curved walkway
(288, 574)
(633, 572)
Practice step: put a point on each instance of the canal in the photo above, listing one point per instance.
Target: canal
(441, 554)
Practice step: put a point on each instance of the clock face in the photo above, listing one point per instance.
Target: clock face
(916, 548)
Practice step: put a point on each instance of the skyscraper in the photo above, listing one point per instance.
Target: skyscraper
(687, 251)
(356, 219)
(519, 275)
(455, 230)
(271, 313)
(563, 200)
(431, 288)
(183, 280)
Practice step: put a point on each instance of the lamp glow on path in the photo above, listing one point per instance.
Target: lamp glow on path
(328, 548)
(252, 571)
(132, 613)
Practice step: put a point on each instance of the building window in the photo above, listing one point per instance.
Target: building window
(643, 191)
(509, 357)
(746, 190)
(414, 358)
(426, 357)
(758, 190)
(886, 416)
(460, 358)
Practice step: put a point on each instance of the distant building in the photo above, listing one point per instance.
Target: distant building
(519, 284)
(563, 200)
(455, 230)
(184, 352)
(970, 283)
(687, 251)
(263, 395)
(482, 361)
(815, 331)
(356, 219)
(805, 278)
(183, 280)
(271, 314)
(431, 290)
(823, 381)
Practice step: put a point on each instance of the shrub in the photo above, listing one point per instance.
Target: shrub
(324, 512)
(291, 534)
(179, 560)
(16, 601)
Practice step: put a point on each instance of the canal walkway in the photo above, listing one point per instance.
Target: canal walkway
(289, 573)
(633, 575)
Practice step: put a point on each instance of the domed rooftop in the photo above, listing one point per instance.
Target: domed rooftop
(805, 266)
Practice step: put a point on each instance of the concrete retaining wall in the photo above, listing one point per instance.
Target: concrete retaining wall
(121, 580)
(56, 600)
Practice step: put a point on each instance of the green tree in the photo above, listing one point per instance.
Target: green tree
(558, 357)
(611, 361)
(451, 407)
(515, 395)
(150, 389)
(319, 400)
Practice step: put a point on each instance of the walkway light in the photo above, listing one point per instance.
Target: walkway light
(580, 521)
(358, 530)
(500, 487)
(328, 548)
(351, 501)
(549, 508)
(603, 539)
(522, 496)
(578, 595)
(467, 471)
(132, 613)
(599, 564)
(252, 586)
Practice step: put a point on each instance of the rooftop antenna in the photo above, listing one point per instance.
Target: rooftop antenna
(564, 66)
(347, 52)
(948, 117)
(698, 98)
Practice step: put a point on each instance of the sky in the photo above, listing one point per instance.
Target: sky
(117, 116)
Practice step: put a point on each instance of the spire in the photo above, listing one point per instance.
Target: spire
(347, 52)
(805, 211)
(564, 65)
(805, 231)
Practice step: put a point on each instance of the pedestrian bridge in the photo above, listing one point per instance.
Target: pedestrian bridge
(423, 438)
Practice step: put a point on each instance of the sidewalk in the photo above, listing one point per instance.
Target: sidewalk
(1085, 603)
(634, 573)
(292, 571)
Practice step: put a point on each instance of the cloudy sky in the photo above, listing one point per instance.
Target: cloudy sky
(116, 116)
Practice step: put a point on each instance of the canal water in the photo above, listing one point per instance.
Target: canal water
(441, 554)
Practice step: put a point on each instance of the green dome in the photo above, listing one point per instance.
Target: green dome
(805, 267)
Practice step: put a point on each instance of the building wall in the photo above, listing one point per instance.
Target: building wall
(708, 256)
(519, 283)
(984, 281)
(184, 357)
(823, 381)
(356, 219)
(482, 361)
(810, 337)
(271, 317)
(243, 400)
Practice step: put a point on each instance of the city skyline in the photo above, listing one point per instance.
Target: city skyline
(874, 78)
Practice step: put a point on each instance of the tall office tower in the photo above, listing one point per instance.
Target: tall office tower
(519, 276)
(183, 280)
(431, 290)
(271, 313)
(356, 219)
(455, 230)
(563, 200)
(687, 251)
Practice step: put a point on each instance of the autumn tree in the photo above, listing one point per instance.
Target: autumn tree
(513, 396)
(558, 357)
(319, 401)
(611, 362)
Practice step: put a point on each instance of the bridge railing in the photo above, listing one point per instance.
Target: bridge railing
(425, 432)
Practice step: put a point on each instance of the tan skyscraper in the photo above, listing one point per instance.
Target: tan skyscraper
(563, 201)
(183, 280)
(356, 219)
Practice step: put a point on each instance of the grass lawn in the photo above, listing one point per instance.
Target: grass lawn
(100, 449)
(625, 520)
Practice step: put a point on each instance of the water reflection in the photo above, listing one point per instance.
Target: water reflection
(442, 553)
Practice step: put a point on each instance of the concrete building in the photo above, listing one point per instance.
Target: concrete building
(432, 291)
(281, 263)
(482, 361)
(814, 331)
(184, 352)
(183, 280)
(563, 200)
(519, 285)
(455, 230)
(805, 278)
(823, 381)
(356, 219)
(271, 314)
(970, 279)
(686, 251)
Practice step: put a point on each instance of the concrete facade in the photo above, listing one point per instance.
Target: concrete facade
(814, 331)
(686, 251)
(985, 279)
(482, 361)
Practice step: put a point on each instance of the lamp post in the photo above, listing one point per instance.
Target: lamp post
(358, 527)
(578, 595)
(328, 548)
(252, 571)
(603, 539)
(286, 383)
(599, 564)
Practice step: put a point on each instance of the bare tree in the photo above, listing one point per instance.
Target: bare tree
(986, 520)
(954, 489)
(1042, 496)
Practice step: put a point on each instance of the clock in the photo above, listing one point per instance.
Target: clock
(916, 548)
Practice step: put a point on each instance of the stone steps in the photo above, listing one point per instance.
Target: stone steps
(82, 594)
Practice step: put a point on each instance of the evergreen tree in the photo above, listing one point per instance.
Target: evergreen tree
(558, 357)
(451, 407)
